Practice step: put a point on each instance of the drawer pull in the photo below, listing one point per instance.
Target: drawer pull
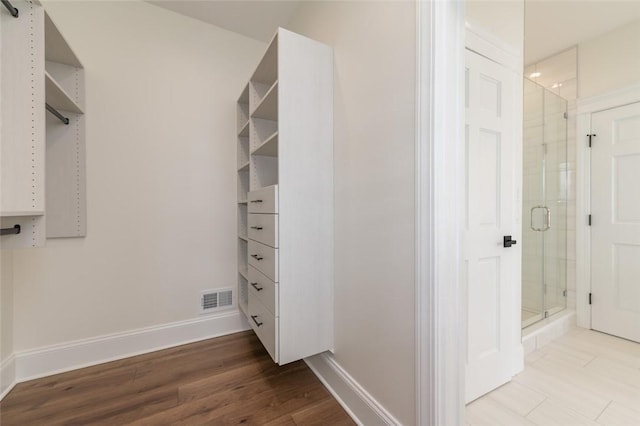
(259, 228)
(255, 285)
(257, 257)
(256, 201)
(253, 317)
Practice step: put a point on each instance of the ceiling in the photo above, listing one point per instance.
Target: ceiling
(550, 25)
(257, 19)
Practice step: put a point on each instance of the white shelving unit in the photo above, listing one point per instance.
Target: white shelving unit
(65, 143)
(287, 291)
(22, 149)
(42, 170)
(243, 188)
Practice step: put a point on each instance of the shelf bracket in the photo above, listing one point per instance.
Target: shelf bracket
(12, 10)
(55, 112)
(10, 231)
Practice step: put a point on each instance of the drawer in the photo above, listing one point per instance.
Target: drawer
(263, 200)
(264, 229)
(265, 325)
(264, 259)
(263, 289)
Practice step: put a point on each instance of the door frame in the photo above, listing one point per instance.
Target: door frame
(440, 333)
(586, 107)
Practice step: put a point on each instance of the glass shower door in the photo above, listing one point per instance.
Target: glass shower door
(544, 204)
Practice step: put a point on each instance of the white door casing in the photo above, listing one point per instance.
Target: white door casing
(489, 269)
(615, 230)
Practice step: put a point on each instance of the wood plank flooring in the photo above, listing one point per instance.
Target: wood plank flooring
(224, 381)
(583, 378)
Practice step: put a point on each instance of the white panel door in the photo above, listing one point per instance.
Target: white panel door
(489, 267)
(615, 230)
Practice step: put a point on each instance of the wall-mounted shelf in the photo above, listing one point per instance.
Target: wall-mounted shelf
(244, 130)
(268, 148)
(57, 97)
(244, 166)
(24, 213)
(267, 109)
(56, 47)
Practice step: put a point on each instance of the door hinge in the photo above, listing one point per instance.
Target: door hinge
(591, 136)
(590, 298)
(589, 220)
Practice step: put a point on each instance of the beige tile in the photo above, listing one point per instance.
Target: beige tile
(616, 371)
(488, 412)
(560, 390)
(550, 413)
(517, 398)
(601, 386)
(618, 415)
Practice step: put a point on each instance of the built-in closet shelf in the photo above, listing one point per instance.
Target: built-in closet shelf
(267, 109)
(20, 214)
(242, 201)
(243, 237)
(244, 166)
(267, 70)
(268, 148)
(56, 47)
(57, 97)
(244, 273)
(244, 130)
(243, 306)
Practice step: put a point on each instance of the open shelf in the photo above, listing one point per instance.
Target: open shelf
(56, 47)
(244, 272)
(242, 201)
(57, 97)
(267, 109)
(268, 148)
(267, 70)
(244, 167)
(20, 214)
(243, 237)
(244, 130)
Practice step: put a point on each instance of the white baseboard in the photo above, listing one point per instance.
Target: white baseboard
(56, 359)
(7, 375)
(358, 403)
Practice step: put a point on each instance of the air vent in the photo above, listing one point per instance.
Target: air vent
(212, 300)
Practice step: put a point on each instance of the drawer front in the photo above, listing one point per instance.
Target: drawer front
(264, 229)
(263, 200)
(264, 259)
(263, 289)
(265, 325)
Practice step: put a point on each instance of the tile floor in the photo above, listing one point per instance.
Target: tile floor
(582, 378)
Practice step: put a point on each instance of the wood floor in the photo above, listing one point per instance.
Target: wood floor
(225, 381)
(583, 378)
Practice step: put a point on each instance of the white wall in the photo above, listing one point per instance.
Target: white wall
(374, 47)
(609, 62)
(161, 160)
(502, 19)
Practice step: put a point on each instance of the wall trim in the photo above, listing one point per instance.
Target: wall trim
(440, 342)
(56, 359)
(585, 107)
(357, 402)
(7, 376)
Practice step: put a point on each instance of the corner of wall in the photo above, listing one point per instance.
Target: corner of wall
(356, 401)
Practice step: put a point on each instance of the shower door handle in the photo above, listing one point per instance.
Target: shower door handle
(547, 219)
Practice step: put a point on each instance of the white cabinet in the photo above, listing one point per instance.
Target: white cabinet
(42, 158)
(285, 128)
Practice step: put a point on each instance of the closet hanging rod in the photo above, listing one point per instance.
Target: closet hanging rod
(10, 231)
(55, 112)
(12, 10)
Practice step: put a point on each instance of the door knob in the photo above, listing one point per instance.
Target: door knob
(508, 242)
